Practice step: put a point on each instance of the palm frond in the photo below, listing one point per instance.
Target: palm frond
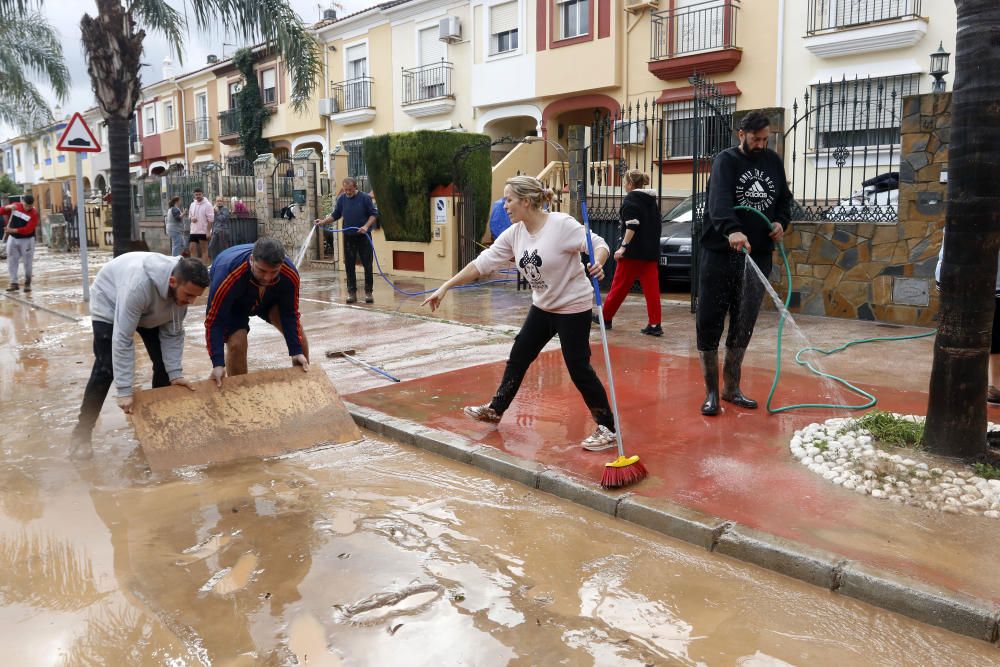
(273, 23)
(32, 109)
(13, 8)
(158, 16)
(39, 51)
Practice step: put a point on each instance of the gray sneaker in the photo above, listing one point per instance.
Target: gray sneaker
(483, 413)
(603, 438)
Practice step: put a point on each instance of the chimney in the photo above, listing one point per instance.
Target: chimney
(330, 14)
(212, 58)
(168, 68)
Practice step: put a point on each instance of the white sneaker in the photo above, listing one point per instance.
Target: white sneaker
(603, 438)
(483, 413)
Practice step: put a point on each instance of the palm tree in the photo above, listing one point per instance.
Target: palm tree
(112, 43)
(31, 50)
(956, 409)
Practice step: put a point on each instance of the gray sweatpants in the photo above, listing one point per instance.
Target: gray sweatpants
(18, 249)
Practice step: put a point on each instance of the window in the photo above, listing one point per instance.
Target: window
(574, 18)
(503, 28)
(431, 80)
(356, 167)
(34, 154)
(680, 127)
(827, 14)
(168, 115)
(234, 89)
(17, 157)
(148, 120)
(269, 86)
(860, 112)
(47, 145)
(356, 90)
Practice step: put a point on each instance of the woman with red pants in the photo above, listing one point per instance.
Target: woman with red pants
(639, 253)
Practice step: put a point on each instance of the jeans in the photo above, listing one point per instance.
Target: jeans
(574, 338)
(178, 240)
(355, 246)
(102, 375)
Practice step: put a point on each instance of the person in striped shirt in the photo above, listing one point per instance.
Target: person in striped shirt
(252, 280)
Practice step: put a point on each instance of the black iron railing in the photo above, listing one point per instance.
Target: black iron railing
(427, 82)
(197, 130)
(229, 122)
(706, 26)
(835, 14)
(352, 94)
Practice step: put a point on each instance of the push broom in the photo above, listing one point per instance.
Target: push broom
(624, 470)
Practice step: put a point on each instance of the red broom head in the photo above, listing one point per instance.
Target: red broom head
(622, 472)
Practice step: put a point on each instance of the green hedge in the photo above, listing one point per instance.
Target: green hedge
(404, 167)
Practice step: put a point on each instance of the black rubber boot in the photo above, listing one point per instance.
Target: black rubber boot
(710, 369)
(731, 374)
(13, 287)
(352, 296)
(27, 283)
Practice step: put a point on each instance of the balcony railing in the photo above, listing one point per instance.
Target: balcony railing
(229, 122)
(197, 130)
(427, 82)
(353, 94)
(135, 147)
(706, 26)
(835, 14)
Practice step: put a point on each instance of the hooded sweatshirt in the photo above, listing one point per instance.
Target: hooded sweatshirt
(641, 205)
(129, 292)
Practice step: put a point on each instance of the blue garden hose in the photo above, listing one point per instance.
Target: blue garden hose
(404, 292)
(871, 400)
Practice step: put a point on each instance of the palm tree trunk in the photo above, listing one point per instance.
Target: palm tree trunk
(956, 409)
(121, 187)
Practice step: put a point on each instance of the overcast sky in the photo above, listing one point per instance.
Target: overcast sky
(65, 17)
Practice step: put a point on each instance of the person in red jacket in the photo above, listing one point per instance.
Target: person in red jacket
(21, 224)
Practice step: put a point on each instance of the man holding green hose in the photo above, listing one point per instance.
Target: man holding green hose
(752, 175)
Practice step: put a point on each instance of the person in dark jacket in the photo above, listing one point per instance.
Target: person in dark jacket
(248, 280)
(749, 174)
(638, 254)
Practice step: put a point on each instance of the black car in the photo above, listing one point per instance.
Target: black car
(675, 241)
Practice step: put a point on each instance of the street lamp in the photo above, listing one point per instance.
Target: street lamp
(939, 67)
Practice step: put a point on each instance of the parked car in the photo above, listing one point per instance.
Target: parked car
(675, 241)
(877, 200)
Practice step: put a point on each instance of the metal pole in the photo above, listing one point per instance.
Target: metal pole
(82, 226)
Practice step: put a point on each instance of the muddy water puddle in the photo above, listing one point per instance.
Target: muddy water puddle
(378, 554)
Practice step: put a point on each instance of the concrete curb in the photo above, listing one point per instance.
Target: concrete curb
(956, 612)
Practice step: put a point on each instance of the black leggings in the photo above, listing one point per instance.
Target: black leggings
(722, 289)
(102, 375)
(574, 338)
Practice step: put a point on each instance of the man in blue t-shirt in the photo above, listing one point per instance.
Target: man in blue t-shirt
(358, 211)
(499, 220)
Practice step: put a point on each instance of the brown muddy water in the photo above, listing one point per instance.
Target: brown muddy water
(366, 554)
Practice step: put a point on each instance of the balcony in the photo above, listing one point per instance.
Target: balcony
(197, 133)
(846, 27)
(229, 126)
(427, 89)
(134, 150)
(352, 101)
(698, 38)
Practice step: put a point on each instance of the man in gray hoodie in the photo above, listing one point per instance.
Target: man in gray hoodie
(138, 292)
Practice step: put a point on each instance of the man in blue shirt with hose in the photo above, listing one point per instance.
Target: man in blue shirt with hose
(357, 210)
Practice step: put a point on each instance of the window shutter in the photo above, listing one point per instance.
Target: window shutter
(432, 50)
(503, 18)
(357, 52)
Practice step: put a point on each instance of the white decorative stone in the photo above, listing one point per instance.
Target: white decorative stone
(992, 514)
(877, 493)
(850, 485)
(951, 509)
(930, 505)
(921, 466)
(922, 474)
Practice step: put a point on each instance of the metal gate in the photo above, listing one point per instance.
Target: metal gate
(465, 202)
(711, 133)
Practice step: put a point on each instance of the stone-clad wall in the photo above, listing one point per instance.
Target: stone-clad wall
(879, 271)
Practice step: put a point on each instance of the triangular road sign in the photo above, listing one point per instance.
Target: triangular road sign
(77, 137)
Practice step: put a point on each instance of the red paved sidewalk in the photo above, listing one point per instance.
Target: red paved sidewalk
(736, 466)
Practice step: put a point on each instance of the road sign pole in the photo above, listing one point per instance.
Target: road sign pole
(81, 221)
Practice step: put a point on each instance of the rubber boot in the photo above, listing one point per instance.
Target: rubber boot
(732, 371)
(27, 283)
(352, 296)
(710, 369)
(13, 287)
(369, 297)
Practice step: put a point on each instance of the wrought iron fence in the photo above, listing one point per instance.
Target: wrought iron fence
(352, 94)
(152, 201)
(92, 221)
(834, 14)
(706, 26)
(236, 179)
(427, 82)
(197, 130)
(844, 142)
(283, 182)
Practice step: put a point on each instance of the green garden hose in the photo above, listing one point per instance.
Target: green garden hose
(871, 400)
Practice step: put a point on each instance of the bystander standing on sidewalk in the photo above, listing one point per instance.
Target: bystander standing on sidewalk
(221, 230)
(173, 224)
(21, 224)
(359, 214)
(202, 216)
(546, 248)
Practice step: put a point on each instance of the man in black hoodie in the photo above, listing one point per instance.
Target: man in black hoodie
(749, 174)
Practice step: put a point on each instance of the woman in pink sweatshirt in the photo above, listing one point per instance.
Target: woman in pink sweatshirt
(546, 248)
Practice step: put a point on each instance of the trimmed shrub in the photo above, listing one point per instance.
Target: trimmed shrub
(404, 167)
